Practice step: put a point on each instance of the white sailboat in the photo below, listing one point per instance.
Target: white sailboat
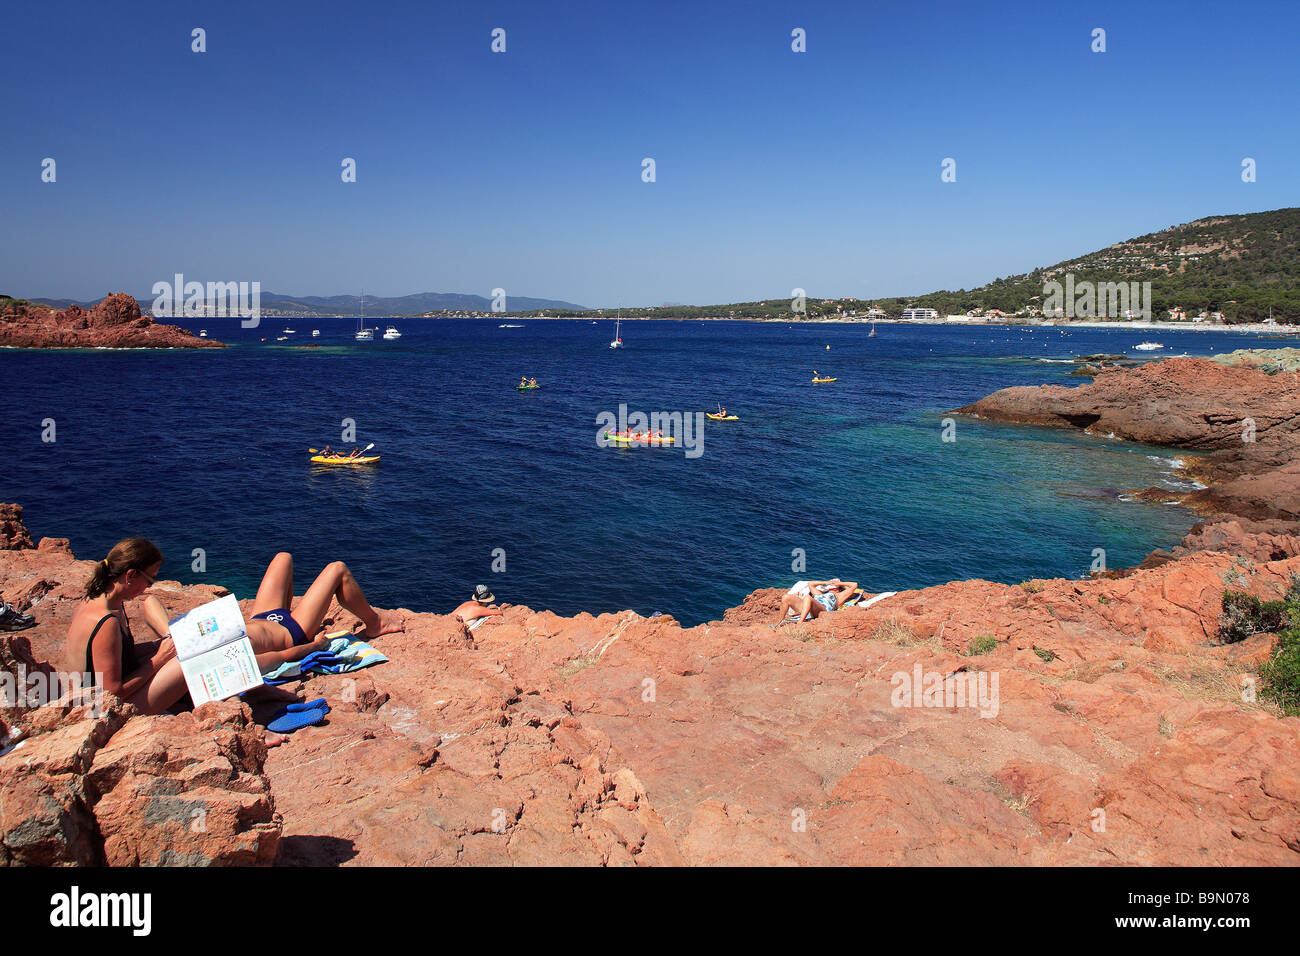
(363, 334)
(872, 334)
(618, 339)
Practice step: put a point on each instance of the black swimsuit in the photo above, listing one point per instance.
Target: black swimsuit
(129, 661)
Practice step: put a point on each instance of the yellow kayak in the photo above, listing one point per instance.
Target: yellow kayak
(335, 460)
(720, 418)
(625, 440)
(819, 381)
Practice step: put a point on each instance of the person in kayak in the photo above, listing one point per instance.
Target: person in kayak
(100, 642)
(523, 381)
(532, 383)
(327, 452)
(812, 598)
(354, 453)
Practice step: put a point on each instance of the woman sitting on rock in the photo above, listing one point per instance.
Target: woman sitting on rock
(100, 642)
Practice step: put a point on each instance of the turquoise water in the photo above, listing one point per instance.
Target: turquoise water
(208, 450)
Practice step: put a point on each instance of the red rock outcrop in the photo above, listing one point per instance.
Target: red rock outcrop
(14, 535)
(116, 323)
(1112, 729)
(1247, 418)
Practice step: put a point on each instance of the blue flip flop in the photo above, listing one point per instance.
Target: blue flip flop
(296, 716)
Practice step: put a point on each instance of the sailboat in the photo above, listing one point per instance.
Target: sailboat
(872, 333)
(363, 334)
(618, 339)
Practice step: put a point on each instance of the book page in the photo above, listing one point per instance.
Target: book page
(208, 627)
(224, 672)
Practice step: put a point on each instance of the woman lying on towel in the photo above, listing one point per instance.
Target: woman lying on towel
(808, 599)
(100, 642)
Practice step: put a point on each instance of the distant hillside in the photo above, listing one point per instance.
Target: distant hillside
(274, 303)
(1240, 265)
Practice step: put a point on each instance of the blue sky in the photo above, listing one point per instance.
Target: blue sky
(523, 170)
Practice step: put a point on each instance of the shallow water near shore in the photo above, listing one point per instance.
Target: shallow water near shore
(208, 449)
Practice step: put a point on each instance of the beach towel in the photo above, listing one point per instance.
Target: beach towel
(859, 598)
(343, 656)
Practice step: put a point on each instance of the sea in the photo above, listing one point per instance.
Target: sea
(869, 478)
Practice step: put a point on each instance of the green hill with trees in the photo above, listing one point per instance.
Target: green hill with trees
(1241, 265)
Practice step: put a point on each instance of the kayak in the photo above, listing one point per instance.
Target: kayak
(332, 460)
(818, 381)
(625, 440)
(525, 388)
(719, 418)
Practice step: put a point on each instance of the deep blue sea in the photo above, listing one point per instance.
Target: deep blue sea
(208, 449)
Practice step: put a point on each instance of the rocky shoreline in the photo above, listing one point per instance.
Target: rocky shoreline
(1106, 724)
(115, 323)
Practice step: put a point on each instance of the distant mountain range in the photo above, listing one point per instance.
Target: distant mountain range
(274, 303)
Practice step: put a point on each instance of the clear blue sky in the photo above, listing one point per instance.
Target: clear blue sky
(523, 170)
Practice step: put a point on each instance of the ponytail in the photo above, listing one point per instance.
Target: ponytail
(129, 554)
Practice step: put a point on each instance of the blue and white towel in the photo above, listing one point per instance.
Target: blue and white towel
(343, 655)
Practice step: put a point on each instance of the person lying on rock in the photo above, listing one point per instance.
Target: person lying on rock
(811, 598)
(100, 642)
(478, 608)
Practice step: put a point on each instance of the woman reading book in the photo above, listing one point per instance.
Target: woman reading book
(100, 642)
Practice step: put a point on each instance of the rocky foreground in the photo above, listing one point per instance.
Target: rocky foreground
(115, 323)
(1107, 724)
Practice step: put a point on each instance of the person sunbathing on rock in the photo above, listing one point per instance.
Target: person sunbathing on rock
(288, 629)
(478, 608)
(100, 642)
(812, 598)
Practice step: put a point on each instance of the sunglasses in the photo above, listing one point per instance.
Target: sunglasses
(145, 575)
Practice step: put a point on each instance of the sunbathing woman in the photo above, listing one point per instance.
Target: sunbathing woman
(100, 642)
(284, 630)
(816, 597)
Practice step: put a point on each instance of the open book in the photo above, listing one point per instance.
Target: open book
(214, 650)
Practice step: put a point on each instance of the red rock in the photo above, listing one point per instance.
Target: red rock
(116, 322)
(186, 791)
(14, 536)
(1250, 419)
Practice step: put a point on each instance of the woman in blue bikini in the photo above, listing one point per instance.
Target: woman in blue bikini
(287, 629)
